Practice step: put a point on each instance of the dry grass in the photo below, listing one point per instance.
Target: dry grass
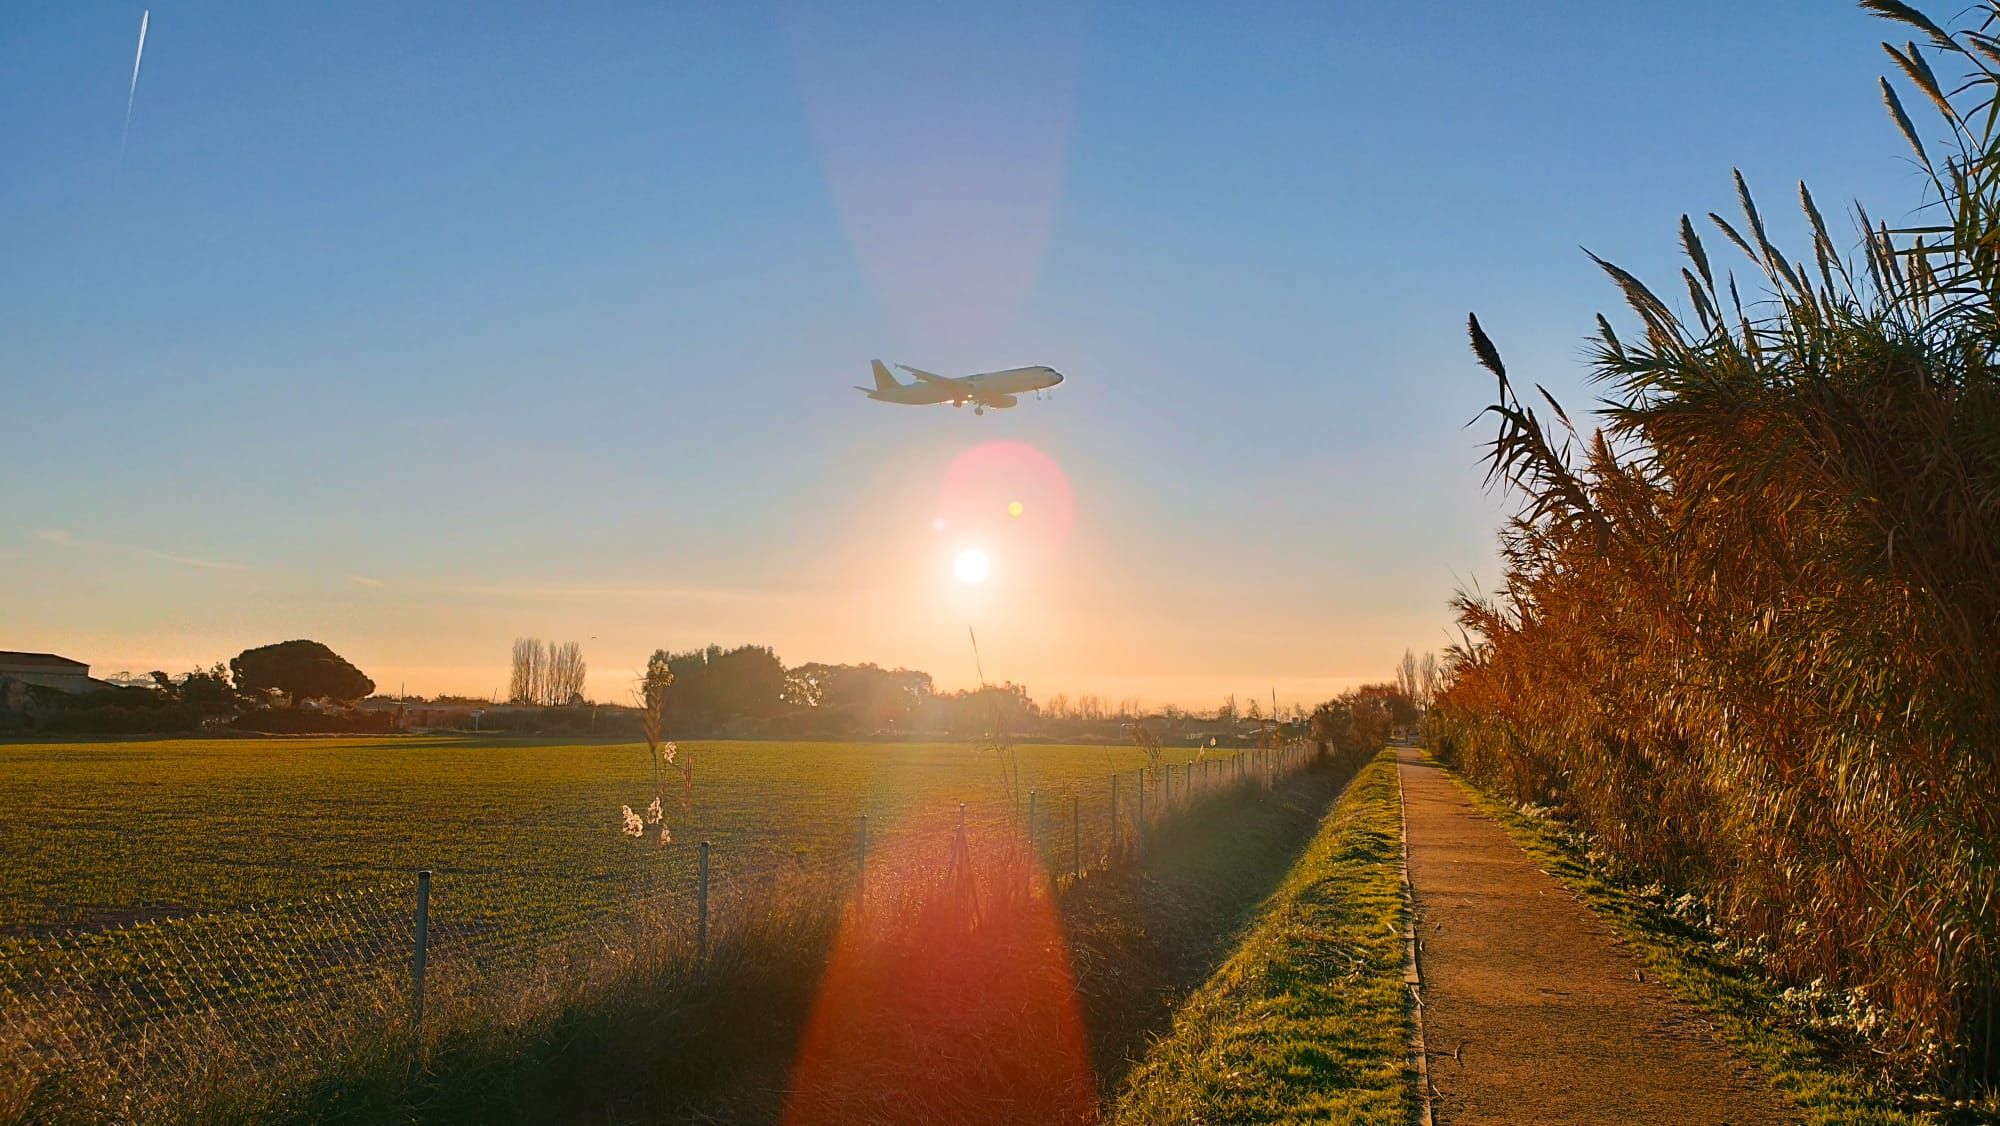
(1747, 638)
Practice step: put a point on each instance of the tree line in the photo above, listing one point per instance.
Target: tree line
(748, 689)
(261, 688)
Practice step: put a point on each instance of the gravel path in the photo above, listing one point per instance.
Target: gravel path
(1533, 1011)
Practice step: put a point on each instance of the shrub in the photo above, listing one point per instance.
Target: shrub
(291, 721)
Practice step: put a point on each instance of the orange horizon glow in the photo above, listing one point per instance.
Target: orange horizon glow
(1077, 599)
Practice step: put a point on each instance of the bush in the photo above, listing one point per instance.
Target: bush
(122, 719)
(289, 721)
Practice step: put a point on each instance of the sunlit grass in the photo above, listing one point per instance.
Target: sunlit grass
(114, 831)
(643, 1031)
(1307, 1021)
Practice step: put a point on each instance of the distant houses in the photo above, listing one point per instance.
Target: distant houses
(47, 671)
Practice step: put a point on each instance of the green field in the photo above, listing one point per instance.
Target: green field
(186, 904)
(123, 831)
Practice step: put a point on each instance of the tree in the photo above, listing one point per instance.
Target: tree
(1408, 676)
(208, 691)
(994, 711)
(204, 691)
(1333, 724)
(564, 684)
(715, 685)
(1392, 701)
(301, 670)
(545, 673)
(748, 681)
(875, 698)
(1361, 719)
(805, 686)
(523, 683)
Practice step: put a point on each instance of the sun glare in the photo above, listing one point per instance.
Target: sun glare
(972, 566)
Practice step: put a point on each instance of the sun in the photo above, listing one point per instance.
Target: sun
(972, 566)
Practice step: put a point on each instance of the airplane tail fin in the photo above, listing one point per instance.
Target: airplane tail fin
(883, 380)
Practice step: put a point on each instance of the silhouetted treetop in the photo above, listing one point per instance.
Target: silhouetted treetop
(302, 670)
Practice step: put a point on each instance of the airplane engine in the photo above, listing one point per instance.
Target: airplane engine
(1000, 402)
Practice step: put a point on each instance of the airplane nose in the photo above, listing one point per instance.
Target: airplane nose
(1058, 376)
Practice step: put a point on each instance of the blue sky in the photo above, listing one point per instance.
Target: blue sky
(417, 328)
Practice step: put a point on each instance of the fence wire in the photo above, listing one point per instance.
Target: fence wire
(280, 984)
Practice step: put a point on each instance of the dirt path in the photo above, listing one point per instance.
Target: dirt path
(1542, 1006)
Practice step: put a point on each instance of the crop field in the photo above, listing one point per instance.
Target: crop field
(172, 902)
(119, 832)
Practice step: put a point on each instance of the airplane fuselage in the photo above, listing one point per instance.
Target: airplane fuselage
(997, 389)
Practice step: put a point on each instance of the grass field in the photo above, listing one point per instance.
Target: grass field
(951, 1024)
(124, 831)
(527, 847)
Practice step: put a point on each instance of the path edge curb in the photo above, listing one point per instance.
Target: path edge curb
(1412, 974)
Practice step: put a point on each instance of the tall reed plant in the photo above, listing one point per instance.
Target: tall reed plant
(1749, 634)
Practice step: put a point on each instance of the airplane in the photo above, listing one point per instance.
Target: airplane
(996, 389)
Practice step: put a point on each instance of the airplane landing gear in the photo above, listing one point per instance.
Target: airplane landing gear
(980, 409)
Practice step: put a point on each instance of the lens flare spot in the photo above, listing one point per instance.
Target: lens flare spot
(972, 566)
(1011, 499)
(953, 1005)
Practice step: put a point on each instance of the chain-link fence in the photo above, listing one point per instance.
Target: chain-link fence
(282, 984)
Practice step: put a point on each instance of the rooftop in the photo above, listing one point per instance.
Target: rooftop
(38, 660)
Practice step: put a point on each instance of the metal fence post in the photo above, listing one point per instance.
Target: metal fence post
(417, 965)
(1076, 836)
(1028, 873)
(1139, 822)
(1114, 814)
(701, 934)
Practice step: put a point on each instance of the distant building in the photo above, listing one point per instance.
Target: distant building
(48, 671)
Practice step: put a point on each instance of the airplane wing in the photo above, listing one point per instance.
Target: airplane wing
(926, 376)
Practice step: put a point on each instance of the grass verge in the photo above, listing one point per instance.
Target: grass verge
(1747, 1007)
(1308, 1020)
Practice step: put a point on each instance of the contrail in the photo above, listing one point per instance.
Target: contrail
(137, 57)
